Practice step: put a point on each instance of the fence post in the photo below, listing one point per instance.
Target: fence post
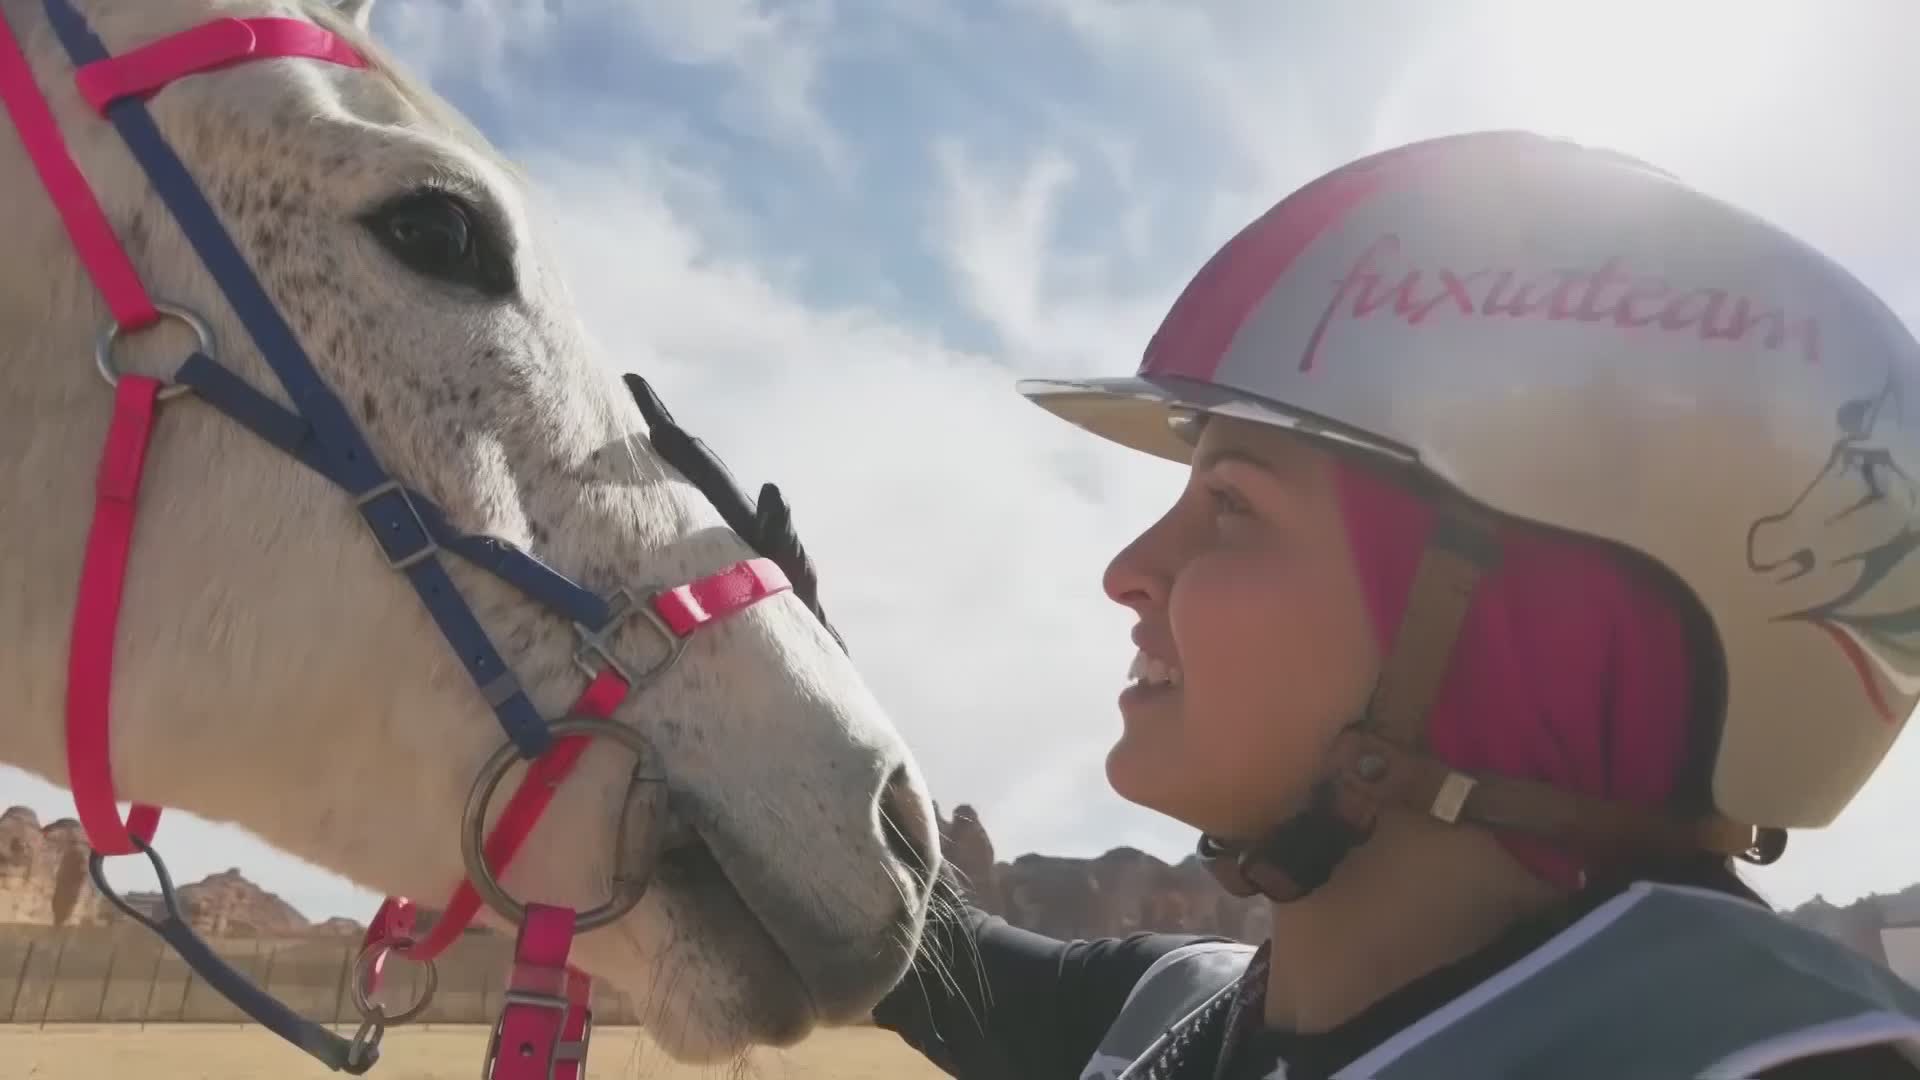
(266, 973)
(20, 981)
(257, 943)
(186, 988)
(340, 985)
(113, 953)
(153, 983)
(53, 981)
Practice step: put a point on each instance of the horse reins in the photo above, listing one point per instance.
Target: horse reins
(544, 1026)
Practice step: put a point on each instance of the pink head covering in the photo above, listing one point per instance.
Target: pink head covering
(1568, 669)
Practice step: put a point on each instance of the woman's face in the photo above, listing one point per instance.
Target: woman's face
(1253, 633)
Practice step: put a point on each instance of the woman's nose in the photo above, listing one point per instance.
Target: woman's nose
(1134, 578)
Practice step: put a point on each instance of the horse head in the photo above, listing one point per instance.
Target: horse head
(1854, 526)
(273, 669)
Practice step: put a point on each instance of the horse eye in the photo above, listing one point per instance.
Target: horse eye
(438, 236)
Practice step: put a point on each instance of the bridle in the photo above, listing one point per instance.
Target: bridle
(544, 1026)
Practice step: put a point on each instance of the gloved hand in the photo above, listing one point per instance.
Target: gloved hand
(767, 525)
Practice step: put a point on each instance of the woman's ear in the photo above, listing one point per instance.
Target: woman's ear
(360, 11)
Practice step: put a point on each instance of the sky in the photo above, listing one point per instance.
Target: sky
(833, 233)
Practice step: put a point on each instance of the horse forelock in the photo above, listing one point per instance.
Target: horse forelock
(431, 106)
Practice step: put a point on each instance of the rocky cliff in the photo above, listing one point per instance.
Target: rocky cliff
(1116, 893)
(1126, 890)
(34, 859)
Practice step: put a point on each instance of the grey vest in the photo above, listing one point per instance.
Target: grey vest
(1660, 981)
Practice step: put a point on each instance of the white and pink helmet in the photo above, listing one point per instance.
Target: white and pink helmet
(1566, 336)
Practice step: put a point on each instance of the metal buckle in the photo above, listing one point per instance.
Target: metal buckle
(561, 1051)
(372, 1011)
(1452, 797)
(431, 546)
(595, 651)
(646, 798)
(577, 1051)
(103, 346)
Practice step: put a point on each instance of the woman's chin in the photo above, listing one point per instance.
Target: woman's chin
(1143, 770)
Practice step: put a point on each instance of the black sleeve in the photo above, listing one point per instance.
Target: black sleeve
(1863, 1063)
(989, 1001)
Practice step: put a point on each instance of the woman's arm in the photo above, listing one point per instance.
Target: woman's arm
(989, 1001)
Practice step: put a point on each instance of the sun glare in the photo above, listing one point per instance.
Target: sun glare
(1641, 73)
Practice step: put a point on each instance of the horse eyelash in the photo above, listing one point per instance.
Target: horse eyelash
(476, 200)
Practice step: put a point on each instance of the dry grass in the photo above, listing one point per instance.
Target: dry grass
(209, 1052)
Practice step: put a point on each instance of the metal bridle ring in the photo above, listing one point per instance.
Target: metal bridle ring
(372, 1011)
(103, 348)
(627, 889)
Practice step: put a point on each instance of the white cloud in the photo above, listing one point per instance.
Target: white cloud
(769, 54)
(466, 37)
(959, 549)
(1055, 309)
(774, 54)
(1240, 70)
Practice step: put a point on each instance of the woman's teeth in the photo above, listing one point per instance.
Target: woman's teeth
(1146, 671)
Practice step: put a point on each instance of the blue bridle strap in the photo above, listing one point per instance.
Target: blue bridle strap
(390, 511)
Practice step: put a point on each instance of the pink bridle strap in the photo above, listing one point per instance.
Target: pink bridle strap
(87, 226)
(123, 457)
(96, 619)
(689, 607)
(683, 610)
(543, 1029)
(142, 71)
(208, 47)
(394, 920)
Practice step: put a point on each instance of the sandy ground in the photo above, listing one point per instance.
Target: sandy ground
(438, 1052)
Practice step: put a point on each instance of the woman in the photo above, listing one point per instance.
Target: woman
(1543, 548)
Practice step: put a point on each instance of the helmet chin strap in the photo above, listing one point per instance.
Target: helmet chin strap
(1293, 859)
(1382, 758)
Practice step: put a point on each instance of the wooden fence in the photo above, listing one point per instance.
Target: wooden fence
(125, 974)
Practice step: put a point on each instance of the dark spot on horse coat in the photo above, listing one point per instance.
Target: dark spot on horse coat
(137, 237)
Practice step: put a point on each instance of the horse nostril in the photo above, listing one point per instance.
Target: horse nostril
(907, 824)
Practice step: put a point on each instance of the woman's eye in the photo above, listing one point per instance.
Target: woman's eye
(1224, 501)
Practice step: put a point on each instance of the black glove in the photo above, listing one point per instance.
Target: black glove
(767, 526)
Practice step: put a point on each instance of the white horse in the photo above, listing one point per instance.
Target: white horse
(273, 671)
